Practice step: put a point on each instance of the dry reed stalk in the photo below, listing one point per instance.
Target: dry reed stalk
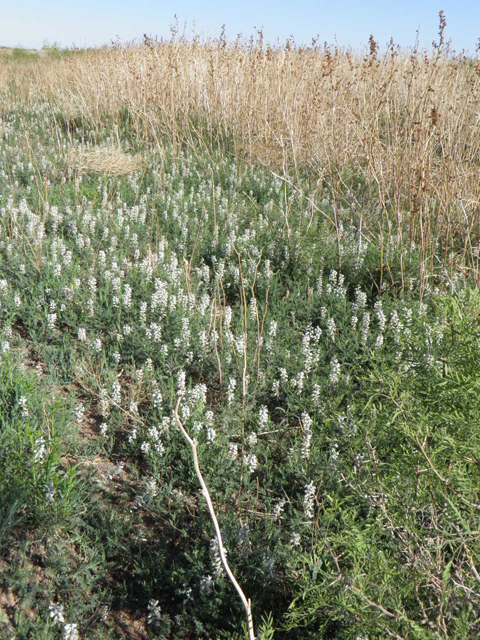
(218, 534)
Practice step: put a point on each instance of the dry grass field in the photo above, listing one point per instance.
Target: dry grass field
(405, 123)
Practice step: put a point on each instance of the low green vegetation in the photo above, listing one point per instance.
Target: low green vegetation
(337, 411)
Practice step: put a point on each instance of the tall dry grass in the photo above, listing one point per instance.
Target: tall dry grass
(406, 122)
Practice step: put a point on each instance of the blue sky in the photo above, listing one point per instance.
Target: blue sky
(350, 22)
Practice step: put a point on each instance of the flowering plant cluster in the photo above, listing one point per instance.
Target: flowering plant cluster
(334, 408)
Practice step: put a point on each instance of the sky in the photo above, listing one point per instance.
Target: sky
(349, 23)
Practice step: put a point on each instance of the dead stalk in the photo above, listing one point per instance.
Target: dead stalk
(193, 445)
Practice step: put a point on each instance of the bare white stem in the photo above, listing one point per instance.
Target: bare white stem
(193, 445)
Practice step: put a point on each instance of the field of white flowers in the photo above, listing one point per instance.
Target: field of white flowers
(336, 412)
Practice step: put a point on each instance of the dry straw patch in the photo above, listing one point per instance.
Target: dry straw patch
(110, 160)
